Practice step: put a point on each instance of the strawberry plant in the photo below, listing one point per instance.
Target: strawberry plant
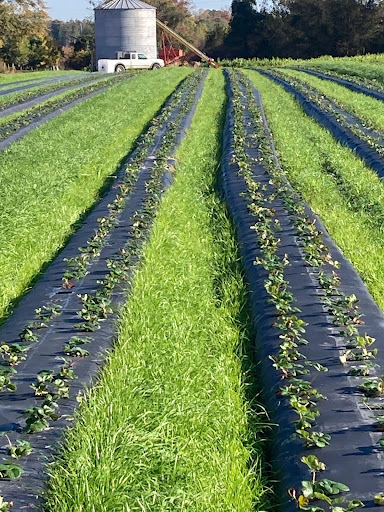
(380, 423)
(50, 385)
(314, 439)
(88, 326)
(73, 347)
(20, 449)
(94, 308)
(314, 465)
(37, 418)
(27, 334)
(372, 388)
(10, 470)
(13, 354)
(37, 324)
(76, 268)
(48, 311)
(361, 371)
(79, 340)
(5, 506)
(75, 351)
(5, 378)
(66, 371)
(60, 388)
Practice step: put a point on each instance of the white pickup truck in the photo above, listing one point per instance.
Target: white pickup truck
(128, 60)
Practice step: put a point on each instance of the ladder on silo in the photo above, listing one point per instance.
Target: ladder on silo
(184, 42)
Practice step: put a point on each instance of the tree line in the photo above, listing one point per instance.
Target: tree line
(25, 38)
(29, 39)
(302, 29)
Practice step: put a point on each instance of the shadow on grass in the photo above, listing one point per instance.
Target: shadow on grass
(260, 427)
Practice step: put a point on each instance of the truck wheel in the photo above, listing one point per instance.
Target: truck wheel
(119, 68)
(156, 65)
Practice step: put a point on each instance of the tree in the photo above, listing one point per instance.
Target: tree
(24, 34)
(305, 28)
(242, 26)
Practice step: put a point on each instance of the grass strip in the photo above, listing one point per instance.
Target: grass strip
(51, 177)
(168, 427)
(14, 122)
(368, 109)
(371, 71)
(21, 77)
(348, 197)
(16, 98)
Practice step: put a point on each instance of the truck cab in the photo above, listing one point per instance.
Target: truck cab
(125, 60)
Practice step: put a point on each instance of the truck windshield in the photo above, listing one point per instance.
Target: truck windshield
(142, 56)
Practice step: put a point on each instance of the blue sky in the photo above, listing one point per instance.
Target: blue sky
(67, 9)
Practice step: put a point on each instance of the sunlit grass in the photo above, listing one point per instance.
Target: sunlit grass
(52, 176)
(370, 68)
(5, 119)
(33, 91)
(169, 427)
(20, 77)
(351, 204)
(368, 109)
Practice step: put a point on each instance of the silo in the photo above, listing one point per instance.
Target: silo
(125, 25)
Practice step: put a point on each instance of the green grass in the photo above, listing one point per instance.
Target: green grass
(33, 92)
(370, 68)
(51, 177)
(347, 196)
(354, 66)
(169, 427)
(20, 77)
(368, 109)
(53, 101)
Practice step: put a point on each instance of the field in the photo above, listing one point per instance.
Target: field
(191, 288)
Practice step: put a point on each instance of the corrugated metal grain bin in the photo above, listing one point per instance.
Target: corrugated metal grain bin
(125, 25)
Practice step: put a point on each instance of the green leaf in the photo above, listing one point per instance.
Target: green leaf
(321, 496)
(307, 488)
(329, 487)
(313, 463)
(10, 470)
(354, 504)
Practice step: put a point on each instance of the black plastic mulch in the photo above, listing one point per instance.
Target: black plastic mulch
(342, 134)
(349, 84)
(55, 112)
(48, 351)
(13, 109)
(345, 117)
(352, 456)
(23, 86)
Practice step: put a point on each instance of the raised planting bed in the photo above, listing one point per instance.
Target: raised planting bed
(373, 92)
(316, 326)
(66, 336)
(174, 415)
(16, 128)
(341, 133)
(363, 127)
(29, 103)
(369, 110)
(20, 93)
(7, 79)
(53, 176)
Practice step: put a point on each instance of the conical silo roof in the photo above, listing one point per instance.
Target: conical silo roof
(125, 4)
